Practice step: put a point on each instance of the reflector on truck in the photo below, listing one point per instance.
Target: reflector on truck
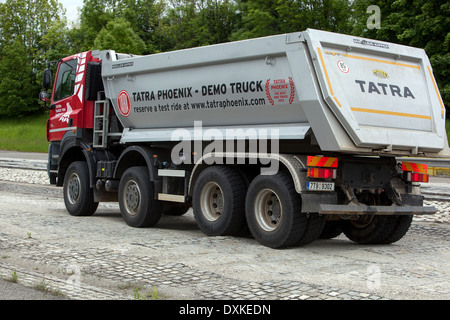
(329, 162)
(414, 167)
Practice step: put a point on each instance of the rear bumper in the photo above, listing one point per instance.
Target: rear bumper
(374, 210)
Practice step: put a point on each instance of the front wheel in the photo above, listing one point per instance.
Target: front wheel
(78, 195)
(136, 199)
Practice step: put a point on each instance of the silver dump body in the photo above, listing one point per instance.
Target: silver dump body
(355, 95)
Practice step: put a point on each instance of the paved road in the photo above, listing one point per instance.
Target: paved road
(100, 257)
(23, 155)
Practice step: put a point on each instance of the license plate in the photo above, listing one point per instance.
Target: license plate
(320, 186)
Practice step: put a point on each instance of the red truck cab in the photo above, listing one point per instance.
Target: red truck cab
(69, 108)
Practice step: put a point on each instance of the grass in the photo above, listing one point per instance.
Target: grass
(447, 128)
(44, 287)
(25, 134)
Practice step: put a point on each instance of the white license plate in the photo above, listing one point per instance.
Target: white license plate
(320, 186)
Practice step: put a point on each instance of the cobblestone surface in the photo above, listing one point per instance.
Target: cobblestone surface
(100, 257)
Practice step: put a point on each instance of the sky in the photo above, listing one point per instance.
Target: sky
(71, 7)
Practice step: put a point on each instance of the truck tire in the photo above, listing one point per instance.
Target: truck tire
(218, 201)
(273, 211)
(78, 195)
(136, 200)
(331, 230)
(370, 229)
(402, 225)
(314, 227)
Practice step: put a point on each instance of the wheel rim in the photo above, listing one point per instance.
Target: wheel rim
(74, 188)
(132, 197)
(362, 222)
(268, 210)
(212, 201)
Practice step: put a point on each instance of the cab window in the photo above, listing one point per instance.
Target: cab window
(65, 82)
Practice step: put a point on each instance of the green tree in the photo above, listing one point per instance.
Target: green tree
(55, 43)
(94, 16)
(190, 23)
(18, 89)
(217, 20)
(119, 36)
(145, 17)
(263, 18)
(23, 24)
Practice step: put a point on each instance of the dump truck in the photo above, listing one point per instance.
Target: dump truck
(287, 138)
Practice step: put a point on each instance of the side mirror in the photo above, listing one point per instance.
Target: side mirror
(44, 96)
(47, 79)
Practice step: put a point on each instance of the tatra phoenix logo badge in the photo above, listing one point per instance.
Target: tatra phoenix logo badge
(280, 91)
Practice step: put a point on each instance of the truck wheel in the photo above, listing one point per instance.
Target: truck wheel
(78, 195)
(370, 229)
(218, 201)
(137, 204)
(331, 230)
(314, 227)
(402, 225)
(273, 211)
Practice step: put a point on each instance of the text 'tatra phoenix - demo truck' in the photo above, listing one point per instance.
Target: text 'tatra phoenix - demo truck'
(289, 137)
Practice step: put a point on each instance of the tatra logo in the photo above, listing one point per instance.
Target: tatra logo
(380, 74)
(123, 101)
(385, 89)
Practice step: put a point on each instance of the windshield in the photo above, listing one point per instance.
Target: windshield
(65, 81)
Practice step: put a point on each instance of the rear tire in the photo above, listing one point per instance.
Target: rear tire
(78, 195)
(314, 227)
(136, 199)
(218, 201)
(402, 225)
(369, 229)
(273, 211)
(331, 229)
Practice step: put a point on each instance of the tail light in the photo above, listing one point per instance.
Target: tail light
(416, 177)
(321, 173)
(415, 172)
